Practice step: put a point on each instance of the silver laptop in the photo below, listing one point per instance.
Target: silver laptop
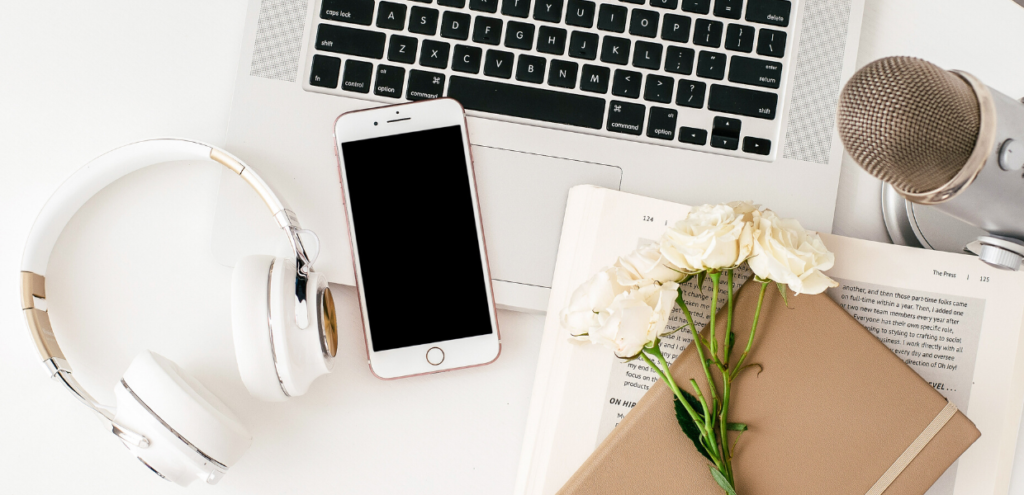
(693, 101)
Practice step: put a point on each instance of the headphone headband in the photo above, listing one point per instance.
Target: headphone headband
(76, 190)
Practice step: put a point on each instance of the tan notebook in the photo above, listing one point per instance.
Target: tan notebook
(954, 321)
(832, 410)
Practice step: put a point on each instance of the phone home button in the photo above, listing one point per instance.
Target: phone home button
(435, 356)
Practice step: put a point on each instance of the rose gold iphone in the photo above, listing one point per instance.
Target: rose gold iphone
(417, 239)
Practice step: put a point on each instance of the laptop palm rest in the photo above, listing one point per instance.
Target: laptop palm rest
(522, 199)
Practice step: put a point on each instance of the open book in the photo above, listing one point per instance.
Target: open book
(952, 319)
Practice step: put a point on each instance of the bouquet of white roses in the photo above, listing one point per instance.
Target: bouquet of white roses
(626, 306)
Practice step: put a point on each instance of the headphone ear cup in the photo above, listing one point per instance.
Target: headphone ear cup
(250, 323)
(189, 429)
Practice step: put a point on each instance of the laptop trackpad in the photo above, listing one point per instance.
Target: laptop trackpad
(522, 199)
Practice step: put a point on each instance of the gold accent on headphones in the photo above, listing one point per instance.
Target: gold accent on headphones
(33, 286)
(226, 160)
(328, 323)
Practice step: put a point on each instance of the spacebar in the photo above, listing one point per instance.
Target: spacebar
(527, 103)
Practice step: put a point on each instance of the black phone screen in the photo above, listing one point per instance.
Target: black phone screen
(416, 234)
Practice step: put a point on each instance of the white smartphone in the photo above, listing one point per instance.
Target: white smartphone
(417, 239)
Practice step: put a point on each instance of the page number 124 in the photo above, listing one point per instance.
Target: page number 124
(648, 218)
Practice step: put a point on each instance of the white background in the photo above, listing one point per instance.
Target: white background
(134, 270)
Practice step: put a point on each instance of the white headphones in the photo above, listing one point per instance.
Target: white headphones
(283, 321)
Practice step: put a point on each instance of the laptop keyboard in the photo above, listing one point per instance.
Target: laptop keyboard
(698, 74)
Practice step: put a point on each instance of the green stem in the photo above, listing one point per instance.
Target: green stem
(715, 277)
(753, 330)
(700, 349)
(724, 427)
(728, 325)
(667, 378)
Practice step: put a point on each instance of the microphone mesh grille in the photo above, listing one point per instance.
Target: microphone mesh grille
(908, 122)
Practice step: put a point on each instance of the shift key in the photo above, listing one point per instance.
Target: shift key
(353, 11)
(340, 39)
(740, 101)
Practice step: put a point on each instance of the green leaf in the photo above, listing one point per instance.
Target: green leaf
(782, 290)
(736, 427)
(722, 481)
(686, 422)
(700, 281)
(730, 340)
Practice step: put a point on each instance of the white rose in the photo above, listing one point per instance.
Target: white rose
(588, 306)
(711, 237)
(648, 263)
(636, 318)
(788, 254)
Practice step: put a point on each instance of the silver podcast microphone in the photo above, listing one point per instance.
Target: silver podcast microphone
(942, 138)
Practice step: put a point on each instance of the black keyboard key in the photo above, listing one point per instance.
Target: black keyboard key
(612, 18)
(690, 93)
(658, 88)
(551, 40)
(725, 133)
(357, 76)
(638, 2)
(595, 79)
(626, 83)
(530, 69)
(679, 60)
(515, 8)
(402, 49)
(661, 124)
(499, 64)
(519, 35)
(434, 54)
(563, 74)
(644, 23)
(325, 71)
(627, 118)
(467, 58)
(487, 30)
(692, 135)
(665, 4)
(583, 45)
(389, 81)
(548, 10)
(757, 146)
(425, 85)
(764, 73)
(452, 3)
(615, 50)
(774, 12)
(489, 6)
(739, 38)
(391, 16)
(647, 55)
(353, 11)
(695, 6)
(528, 103)
(455, 25)
(707, 33)
(711, 65)
(423, 20)
(771, 43)
(340, 39)
(580, 13)
(740, 101)
(730, 9)
(676, 28)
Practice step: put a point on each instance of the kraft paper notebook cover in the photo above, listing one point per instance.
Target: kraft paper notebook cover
(831, 411)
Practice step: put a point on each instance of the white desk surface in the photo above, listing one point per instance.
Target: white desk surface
(134, 270)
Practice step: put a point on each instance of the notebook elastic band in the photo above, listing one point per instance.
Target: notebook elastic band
(915, 448)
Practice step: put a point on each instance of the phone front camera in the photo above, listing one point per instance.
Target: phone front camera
(374, 123)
